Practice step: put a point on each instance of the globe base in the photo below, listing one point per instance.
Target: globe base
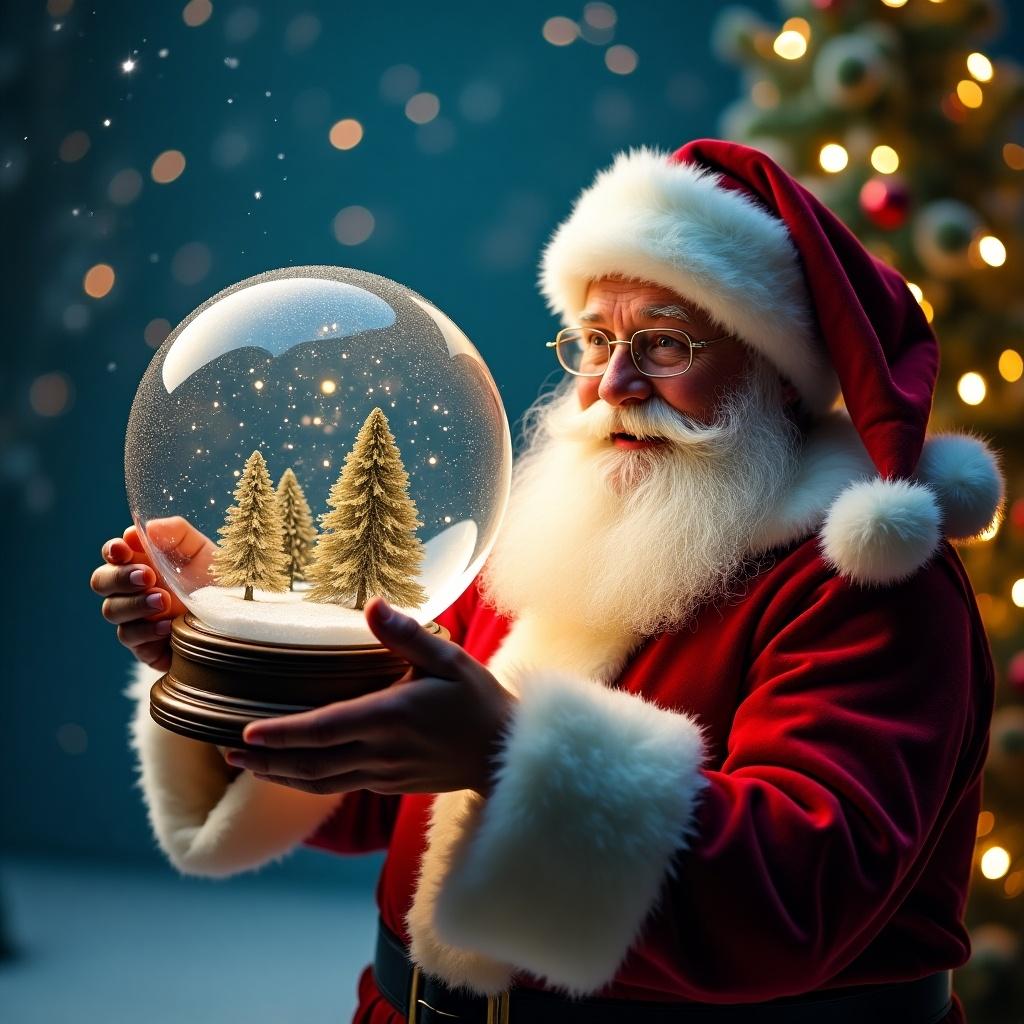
(217, 685)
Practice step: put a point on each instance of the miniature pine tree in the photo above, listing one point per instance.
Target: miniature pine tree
(250, 553)
(298, 531)
(369, 545)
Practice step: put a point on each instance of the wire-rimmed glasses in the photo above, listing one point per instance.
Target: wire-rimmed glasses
(656, 351)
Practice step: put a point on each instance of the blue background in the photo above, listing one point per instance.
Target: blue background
(461, 209)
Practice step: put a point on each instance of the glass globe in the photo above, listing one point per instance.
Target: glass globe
(291, 364)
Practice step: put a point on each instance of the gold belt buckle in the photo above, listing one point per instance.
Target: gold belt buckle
(497, 1006)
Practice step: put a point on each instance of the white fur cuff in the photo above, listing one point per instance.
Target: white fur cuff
(595, 793)
(206, 823)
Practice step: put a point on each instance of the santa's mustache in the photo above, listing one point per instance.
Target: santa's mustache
(651, 420)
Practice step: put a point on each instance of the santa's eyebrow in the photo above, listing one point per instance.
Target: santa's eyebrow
(672, 312)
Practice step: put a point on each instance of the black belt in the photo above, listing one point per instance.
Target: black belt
(423, 999)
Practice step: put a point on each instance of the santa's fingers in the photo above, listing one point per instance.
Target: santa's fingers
(347, 783)
(312, 765)
(140, 606)
(137, 632)
(115, 580)
(428, 653)
(156, 654)
(116, 551)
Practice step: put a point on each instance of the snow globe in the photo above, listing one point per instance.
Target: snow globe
(304, 440)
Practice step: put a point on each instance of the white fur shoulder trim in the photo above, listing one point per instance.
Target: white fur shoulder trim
(206, 823)
(595, 794)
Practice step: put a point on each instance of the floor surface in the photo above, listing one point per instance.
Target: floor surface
(113, 944)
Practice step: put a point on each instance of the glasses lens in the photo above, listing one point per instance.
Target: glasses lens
(662, 353)
(583, 350)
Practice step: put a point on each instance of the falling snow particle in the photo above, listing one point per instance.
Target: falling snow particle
(128, 66)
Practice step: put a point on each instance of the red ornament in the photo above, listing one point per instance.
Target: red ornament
(1017, 514)
(886, 202)
(1015, 672)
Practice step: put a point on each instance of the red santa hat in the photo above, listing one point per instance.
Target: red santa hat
(724, 226)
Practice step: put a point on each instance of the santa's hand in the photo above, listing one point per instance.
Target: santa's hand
(435, 730)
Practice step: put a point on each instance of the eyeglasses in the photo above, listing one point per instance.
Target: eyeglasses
(656, 351)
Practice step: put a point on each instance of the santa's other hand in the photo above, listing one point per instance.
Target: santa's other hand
(435, 730)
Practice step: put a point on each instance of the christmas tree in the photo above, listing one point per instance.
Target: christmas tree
(298, 529)
(891, 114)
(250, 553)
(369, 545)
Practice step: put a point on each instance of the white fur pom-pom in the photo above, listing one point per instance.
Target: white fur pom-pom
(881, 531)
(963, 472)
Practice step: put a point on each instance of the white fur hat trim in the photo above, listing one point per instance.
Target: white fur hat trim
(674, 225)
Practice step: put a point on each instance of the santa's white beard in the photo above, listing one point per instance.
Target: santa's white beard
(601, 536)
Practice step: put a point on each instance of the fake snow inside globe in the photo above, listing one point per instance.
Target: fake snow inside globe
(306, 439)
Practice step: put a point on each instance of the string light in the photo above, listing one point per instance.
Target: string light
(1017, 593)
(992, 250)
(995, 862)
(980, 67)
(884, 159)
(971, 388)
(790, 45)
(1011, 365)
(833, 157)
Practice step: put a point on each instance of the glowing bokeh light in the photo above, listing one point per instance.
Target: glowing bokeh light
(560, 31)
(833, 157)
(1011, 365)
(971, 388)
(884, 159)
(979, 66)
(621, 60)
(992, 250)
(995, 862)
(98, 280)
(790, 45)
(168, 166)
(969, 93)
(346, 133)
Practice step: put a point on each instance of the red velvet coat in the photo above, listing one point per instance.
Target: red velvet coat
(846, 729)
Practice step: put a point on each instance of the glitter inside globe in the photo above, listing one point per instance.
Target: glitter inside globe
(291, 363)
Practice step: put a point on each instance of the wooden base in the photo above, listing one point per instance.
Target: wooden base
(216, 686)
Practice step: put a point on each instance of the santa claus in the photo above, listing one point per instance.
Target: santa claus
(707, 741)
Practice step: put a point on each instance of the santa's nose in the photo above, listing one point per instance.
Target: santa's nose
(622, 381)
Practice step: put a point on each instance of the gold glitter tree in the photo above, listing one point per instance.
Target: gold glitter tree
(369, 545)
(298, 531)
(250, 552)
